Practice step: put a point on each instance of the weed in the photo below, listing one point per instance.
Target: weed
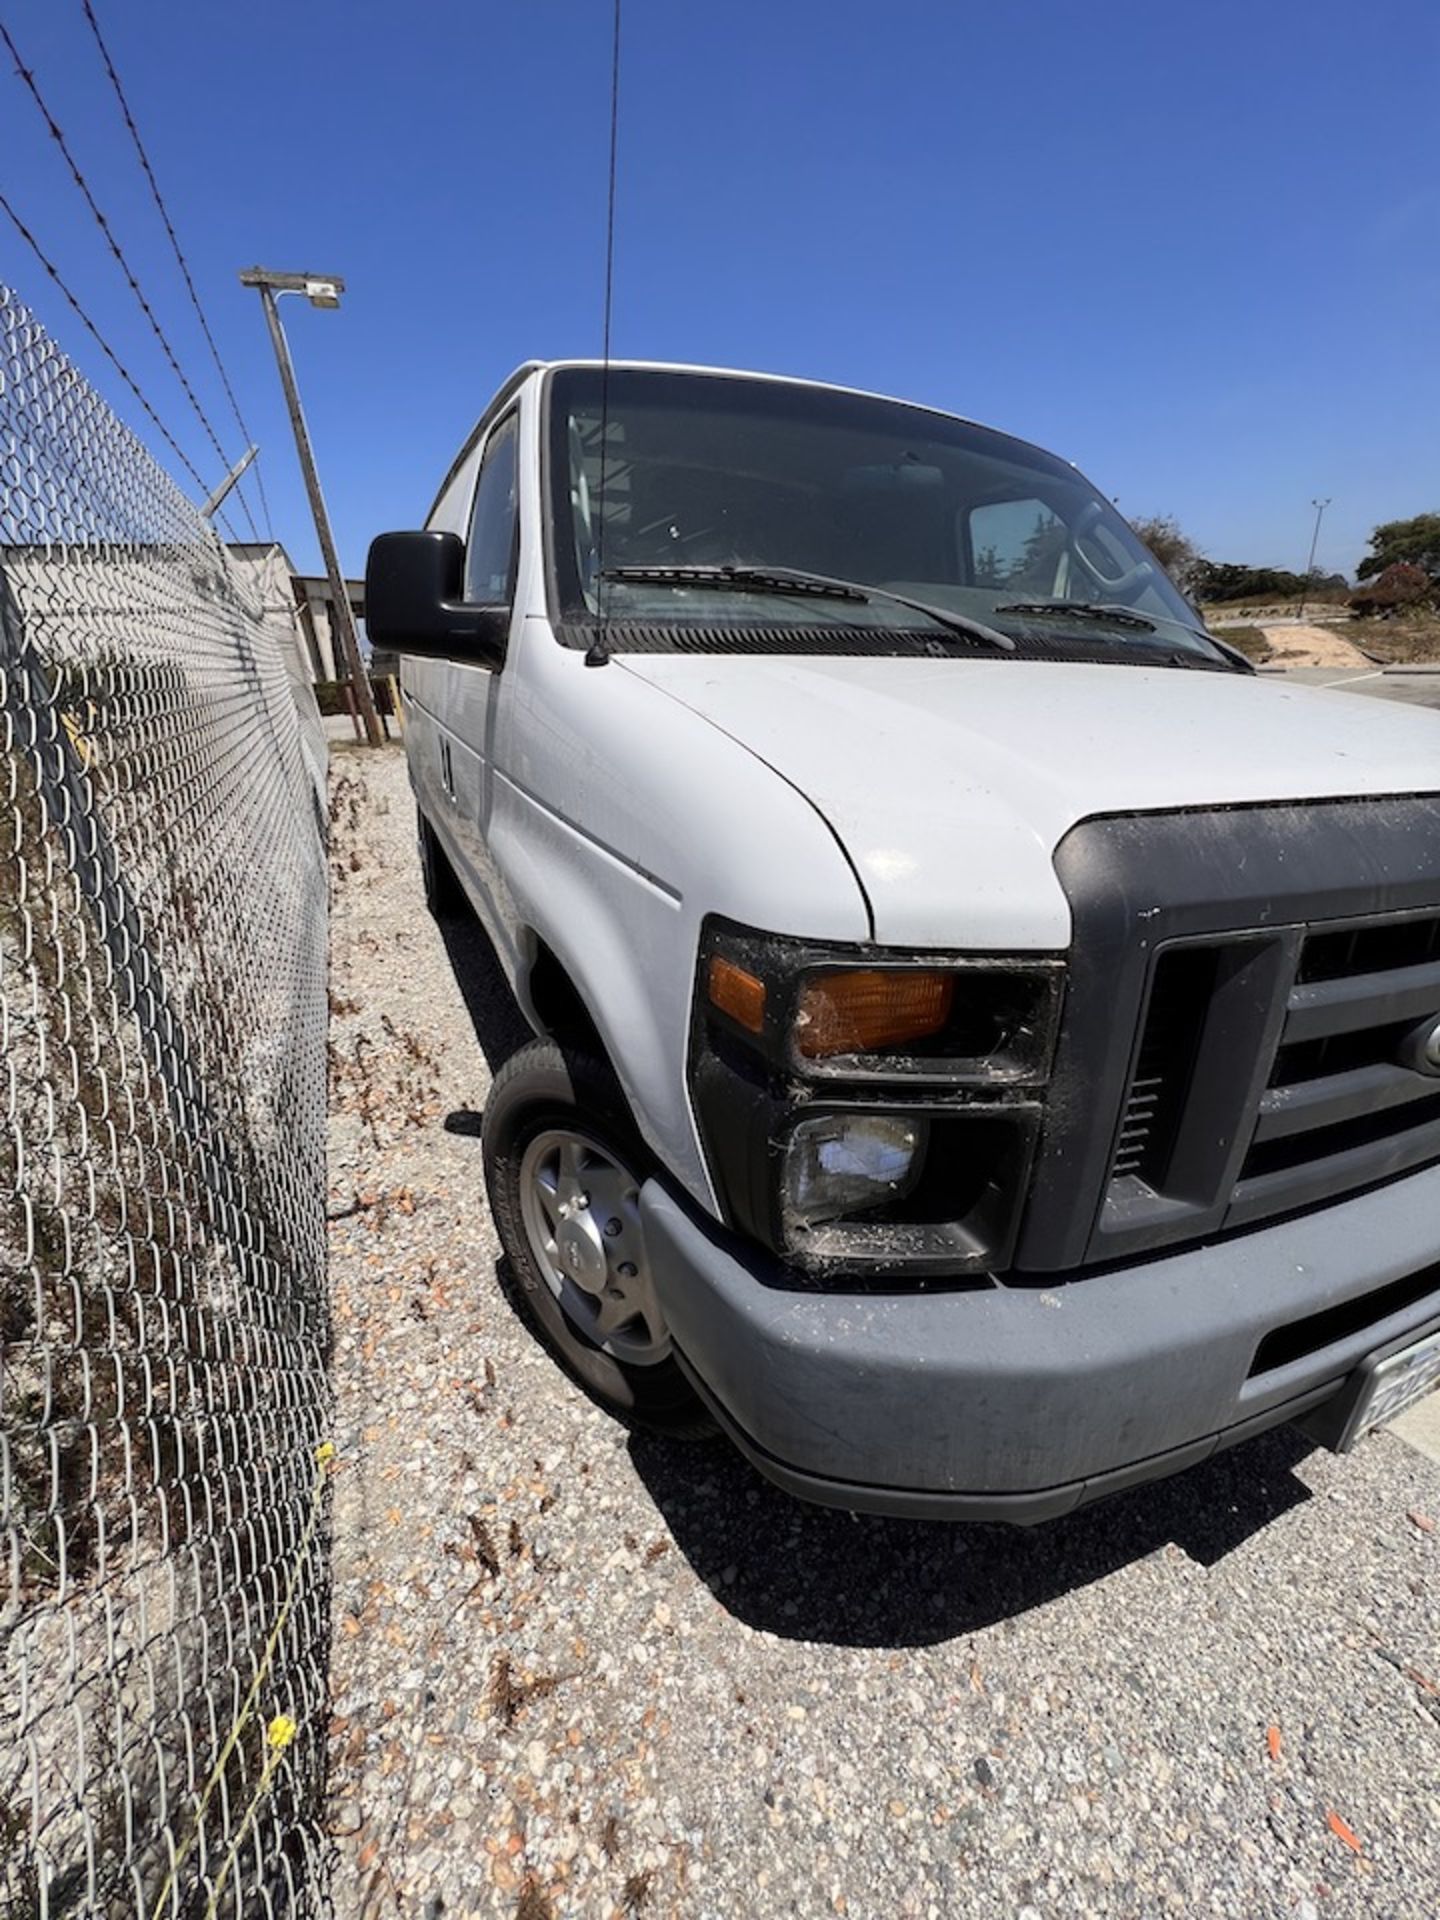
(509, 1697)
(637, 1891)
(484, 1546)
(534, 1903)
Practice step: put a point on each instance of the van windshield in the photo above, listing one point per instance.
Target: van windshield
(704, 473)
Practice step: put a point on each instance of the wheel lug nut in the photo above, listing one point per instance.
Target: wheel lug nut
(582, 1200)
(627, 1269)
(613, 1228)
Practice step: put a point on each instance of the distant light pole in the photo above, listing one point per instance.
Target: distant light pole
(321, 290)
(1319, 506)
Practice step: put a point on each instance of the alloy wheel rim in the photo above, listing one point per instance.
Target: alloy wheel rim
(581, 1208)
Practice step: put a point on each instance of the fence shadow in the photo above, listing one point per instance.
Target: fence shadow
(809, 1573)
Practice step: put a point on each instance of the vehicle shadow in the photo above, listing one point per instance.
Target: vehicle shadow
(500, 1027)
(809, 1573)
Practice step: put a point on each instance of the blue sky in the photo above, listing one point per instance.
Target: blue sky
(1194, 247)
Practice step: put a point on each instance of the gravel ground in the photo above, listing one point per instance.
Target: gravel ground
(579, 1672)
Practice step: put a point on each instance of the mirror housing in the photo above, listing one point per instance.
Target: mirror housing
(414, 584)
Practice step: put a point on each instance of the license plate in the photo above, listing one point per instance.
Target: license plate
(1388, 1383)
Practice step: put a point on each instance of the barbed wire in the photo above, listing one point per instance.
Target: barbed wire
(105, 347)
(83, 184)
(181, 261)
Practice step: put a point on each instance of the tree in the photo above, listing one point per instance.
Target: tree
(1397, 588)
(1414, 542)
(1218, 580)
(1172, 547)
(1222, 580)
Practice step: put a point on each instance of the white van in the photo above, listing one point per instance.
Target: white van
(988, 1040)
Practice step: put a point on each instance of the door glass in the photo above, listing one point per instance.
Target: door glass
(490, 551)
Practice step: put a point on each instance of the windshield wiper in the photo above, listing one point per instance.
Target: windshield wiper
(802, 585)
(1126, 617)
(1082, 610)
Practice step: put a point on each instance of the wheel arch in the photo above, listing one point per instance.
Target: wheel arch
(555, 1005)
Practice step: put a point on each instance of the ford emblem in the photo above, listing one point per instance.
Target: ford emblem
(1421, 1049)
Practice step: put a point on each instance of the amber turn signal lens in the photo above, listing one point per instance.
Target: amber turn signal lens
(738, 993)
(865, 1011)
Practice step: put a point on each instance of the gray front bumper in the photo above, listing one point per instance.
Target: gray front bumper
(1018, 1403)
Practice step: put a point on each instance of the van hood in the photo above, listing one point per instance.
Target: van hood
(951, 783)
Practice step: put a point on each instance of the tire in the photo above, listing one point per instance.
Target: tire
(543, 1098)
(444, 895)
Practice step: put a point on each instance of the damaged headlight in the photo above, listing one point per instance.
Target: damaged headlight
(847, 1163)
(930, 1073)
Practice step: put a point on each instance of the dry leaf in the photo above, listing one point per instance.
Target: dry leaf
(1343, 1832)
(1272, 1741)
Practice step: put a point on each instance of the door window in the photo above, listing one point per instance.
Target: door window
(490, 551)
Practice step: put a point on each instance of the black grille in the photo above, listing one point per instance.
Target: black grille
(1248, 993)
(1342, 1103)
(1346, 1105)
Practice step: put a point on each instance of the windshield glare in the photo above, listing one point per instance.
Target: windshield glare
(704, 470)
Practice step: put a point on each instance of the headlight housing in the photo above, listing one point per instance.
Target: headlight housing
(867, 1111)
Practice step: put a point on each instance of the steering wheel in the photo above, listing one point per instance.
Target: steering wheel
(1108, 583)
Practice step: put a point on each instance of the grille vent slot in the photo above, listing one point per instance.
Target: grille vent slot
(1381, 947)
(1180, 996)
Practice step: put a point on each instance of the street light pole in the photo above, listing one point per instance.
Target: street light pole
(321, 292)
(1319, 506)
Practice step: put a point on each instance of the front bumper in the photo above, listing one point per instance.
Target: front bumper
(1018, 1403)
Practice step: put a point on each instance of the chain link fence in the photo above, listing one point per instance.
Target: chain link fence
(163, 1390)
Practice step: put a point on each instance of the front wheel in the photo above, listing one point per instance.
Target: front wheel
(564, 1165)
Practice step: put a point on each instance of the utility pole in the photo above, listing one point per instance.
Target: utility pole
(1319, 506)
(321, 290)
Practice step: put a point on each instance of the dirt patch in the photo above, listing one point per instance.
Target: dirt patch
(1294, 645)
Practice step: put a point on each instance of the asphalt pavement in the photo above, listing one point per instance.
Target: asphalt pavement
(1417, 687)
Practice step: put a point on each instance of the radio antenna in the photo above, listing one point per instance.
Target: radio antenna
(598, 652)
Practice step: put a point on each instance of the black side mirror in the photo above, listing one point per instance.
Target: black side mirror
(414, 583)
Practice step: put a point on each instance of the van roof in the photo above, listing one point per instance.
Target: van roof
(750, 373)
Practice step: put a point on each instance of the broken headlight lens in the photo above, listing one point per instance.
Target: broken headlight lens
(847, 1163)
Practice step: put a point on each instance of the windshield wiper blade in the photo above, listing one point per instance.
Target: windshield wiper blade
(1126, 617)
(800, 584)
(1082, 610)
